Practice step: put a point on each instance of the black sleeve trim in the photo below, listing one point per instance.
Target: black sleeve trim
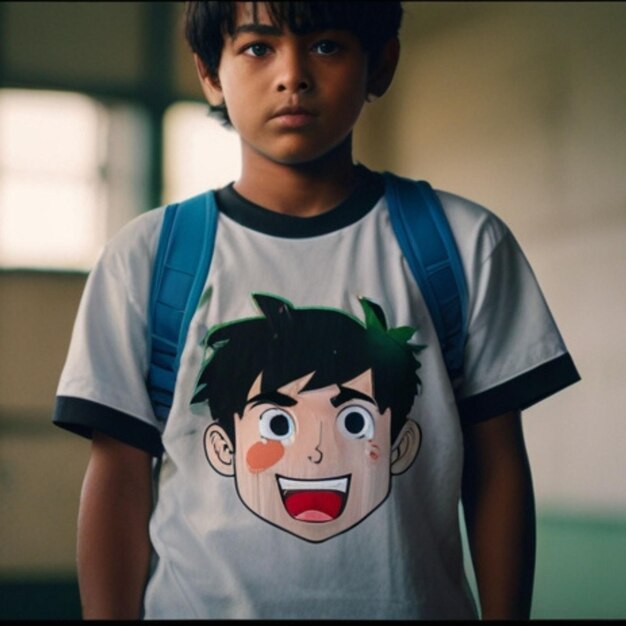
(82, 417)
(521, 392)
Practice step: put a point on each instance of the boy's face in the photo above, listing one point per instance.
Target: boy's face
(292, 98)
(314, 463)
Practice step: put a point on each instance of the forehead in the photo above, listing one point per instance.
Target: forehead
(249, 17)
(252, 12)
(245, 12)
(298, 17)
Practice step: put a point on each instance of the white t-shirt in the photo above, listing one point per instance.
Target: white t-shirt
(304, 506)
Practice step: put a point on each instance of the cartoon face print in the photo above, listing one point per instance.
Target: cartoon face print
(310, 408)
(314, 463)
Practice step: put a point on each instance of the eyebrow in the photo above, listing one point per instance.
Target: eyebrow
(346, 393)
(259, 29)
(272, 397)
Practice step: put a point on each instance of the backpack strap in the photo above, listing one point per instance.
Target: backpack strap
(184, 255)
(428, 244)
(179, 273)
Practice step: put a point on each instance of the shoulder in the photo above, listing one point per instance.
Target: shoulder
(477, 230)
(472, 222)
(126, 260)
(135, 241)
(130, 253)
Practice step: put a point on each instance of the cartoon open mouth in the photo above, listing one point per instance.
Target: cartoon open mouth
(314, 500)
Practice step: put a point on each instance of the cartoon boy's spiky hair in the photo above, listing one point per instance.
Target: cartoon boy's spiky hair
(287, 343)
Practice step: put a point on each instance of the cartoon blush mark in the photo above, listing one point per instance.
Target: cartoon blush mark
(372, 451)
(264, 454)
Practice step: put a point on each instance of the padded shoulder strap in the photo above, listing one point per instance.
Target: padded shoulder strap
(180, 269)
(428, 244)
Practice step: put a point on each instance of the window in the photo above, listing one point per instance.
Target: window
(71, 171)
(199, 153)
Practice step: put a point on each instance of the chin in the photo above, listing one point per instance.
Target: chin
(301, 152)
(316, 533)
(298, 157)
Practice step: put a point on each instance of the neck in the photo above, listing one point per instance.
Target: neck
(302, 190)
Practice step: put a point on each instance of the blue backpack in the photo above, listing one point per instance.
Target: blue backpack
(184, 255)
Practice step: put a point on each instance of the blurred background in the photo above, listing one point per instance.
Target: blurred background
(520, 106)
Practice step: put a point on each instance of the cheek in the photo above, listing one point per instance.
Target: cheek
(263, 454)
(372, 451)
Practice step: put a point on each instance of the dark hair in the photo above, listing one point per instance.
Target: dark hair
(373, 23)
(288, 343)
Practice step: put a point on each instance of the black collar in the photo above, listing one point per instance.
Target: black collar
(369, 190)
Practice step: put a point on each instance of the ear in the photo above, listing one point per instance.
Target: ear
(405, 447)
(219, 450)
(382, 73)
(210, 84)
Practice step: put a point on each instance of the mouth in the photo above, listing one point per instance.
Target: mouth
(293, 117)
(293, 110)
(314, 500)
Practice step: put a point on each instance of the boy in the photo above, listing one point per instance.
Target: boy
(307, 224)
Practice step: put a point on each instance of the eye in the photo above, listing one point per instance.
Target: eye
(256, 49)
(356, 422)
(326, 47)
(276, 424)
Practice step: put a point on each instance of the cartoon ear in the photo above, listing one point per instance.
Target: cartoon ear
(405, 447)
(219, 450)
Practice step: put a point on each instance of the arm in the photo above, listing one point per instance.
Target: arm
(499, 508)
(113, 548)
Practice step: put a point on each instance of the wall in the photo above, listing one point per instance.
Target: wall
(523, 109)
(39, 465)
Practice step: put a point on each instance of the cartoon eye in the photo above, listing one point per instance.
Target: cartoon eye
(276, 424)
(356, 422)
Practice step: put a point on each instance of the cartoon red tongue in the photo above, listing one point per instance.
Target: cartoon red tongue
(314, 505)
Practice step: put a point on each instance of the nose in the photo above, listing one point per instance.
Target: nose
(317, 455)
(294, 76)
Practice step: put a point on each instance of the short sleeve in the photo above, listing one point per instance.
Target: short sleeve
(514, 354)
(102, 386)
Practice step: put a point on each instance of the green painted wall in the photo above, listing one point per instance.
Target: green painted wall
(581, 568)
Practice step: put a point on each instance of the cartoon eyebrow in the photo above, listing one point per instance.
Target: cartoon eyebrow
(272, 397)
(259, 29)
(346, 393)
